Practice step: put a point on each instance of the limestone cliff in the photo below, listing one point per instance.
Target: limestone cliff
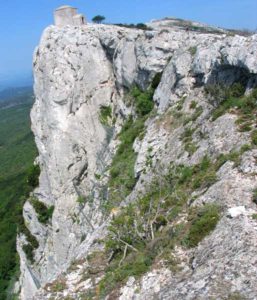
(83, 72)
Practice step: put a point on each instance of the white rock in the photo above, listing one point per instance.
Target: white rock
(236, 211)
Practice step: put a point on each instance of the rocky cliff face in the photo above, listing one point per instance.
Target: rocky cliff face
(83, 79)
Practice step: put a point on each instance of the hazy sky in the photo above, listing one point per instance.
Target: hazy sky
(22, 21)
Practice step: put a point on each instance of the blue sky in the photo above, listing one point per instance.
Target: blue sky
(22, 22)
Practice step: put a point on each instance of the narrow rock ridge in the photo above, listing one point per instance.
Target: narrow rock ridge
(80, 70)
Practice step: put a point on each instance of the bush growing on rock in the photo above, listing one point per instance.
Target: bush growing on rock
(254, 137)
(28, 249)
(233, 98)
(33, 176)
(203, 220)
(143, 101)
(122, 177)
(105, 114)
(44, 213)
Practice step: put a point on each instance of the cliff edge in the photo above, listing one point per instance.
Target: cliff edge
(147, 151)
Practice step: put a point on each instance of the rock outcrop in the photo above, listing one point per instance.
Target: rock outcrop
(81, 70)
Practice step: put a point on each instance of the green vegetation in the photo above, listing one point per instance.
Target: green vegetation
(242, 32)
(122, 178)
(143, 101)
(147, 230)
(193, 105)
(81, 200)
(233, 98)
(98, 19)
(58, 285)
(203, 221)
(197, 113)
(190, 26)
(28, 250)
(17, 153)
(254, 137)
(105, 115)
(254, 216)
(16, 96)
(193, 50)
(33, 176)
(191, 148)
(187, 138)
(234, 156)
(141, 26)
(236, 296)
(44, 213)
(136, 266)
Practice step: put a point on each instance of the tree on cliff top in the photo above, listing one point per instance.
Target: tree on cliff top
(98, 19)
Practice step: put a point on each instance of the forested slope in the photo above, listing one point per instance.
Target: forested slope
(17, 152)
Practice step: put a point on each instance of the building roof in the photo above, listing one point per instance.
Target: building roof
(65, 7)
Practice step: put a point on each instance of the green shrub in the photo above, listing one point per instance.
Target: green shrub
(197, 113)
(97, 176)
(191, 148)
(225, 106)
(118, 275)
(205, 180)
(205, 164)
(193, 50)
(81, 200)
(245, 148)
(236, 296)
(122, 177)
(143, 101)
(193, 105)
(145, 230)
(204, 174)
(220, 93)
(28, 249)
(58, 285)
(234, 156)
(44, 213)
(247, 126)
(187, 138)
(187, 134)
(141, 26)
(234, 98)
(254, 216)
(33, 176)
(237, 90)
(254, 94)
(185, 174)
(105, 114)
(22, 228)
(254, 137)
(202, 221)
